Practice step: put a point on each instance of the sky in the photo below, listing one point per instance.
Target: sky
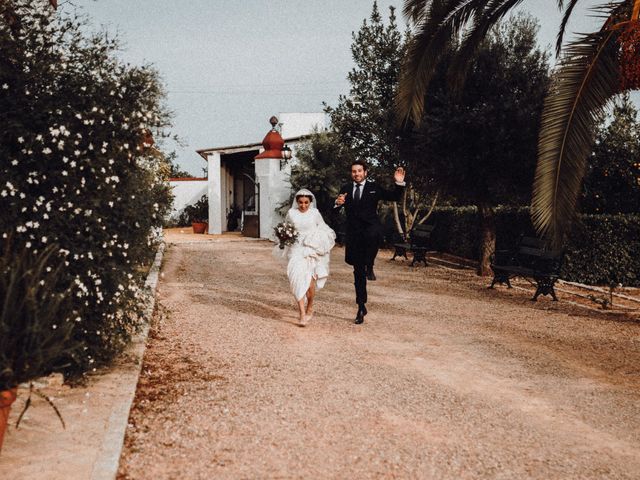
(228, 65)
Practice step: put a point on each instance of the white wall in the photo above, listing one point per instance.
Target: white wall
(186, 192)
(295, 124)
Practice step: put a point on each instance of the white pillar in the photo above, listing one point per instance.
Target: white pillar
(215, 194)
(267, 170)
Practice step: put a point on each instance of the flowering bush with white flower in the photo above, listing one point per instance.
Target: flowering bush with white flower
(77, 169)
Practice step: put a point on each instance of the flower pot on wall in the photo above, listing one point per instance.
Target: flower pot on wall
(7, 397)
(199, 227)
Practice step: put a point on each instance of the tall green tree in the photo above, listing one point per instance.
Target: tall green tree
(612, 182)
(364, 121)
(479, 144)
(592, 70)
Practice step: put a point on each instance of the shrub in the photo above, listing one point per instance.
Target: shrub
(198, 212)
(75, 169)
(36, 316)
(601, 249)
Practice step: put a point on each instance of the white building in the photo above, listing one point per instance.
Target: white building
(251, 181)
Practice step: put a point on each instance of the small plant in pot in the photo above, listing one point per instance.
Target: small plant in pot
(36, 321)
(197, 215)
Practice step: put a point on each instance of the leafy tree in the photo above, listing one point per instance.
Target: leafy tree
(479, 144)
(612, 183)
(175, 171)
(364, 121)
(77, 169)
(593, 69)
(321, 167)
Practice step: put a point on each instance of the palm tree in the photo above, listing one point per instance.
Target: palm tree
(591, 70)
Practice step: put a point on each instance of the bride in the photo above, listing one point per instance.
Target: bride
(308, 257)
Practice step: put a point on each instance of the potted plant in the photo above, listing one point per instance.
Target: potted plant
(36, 321)
(197, 215)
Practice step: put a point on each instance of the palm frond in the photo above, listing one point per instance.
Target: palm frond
(474, 36)
(586, 80)
(415, 10)
(440, 26)
(563, 24)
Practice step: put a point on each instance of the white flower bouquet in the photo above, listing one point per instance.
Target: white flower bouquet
(286, 233)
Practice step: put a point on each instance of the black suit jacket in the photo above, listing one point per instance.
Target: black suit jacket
(364, 229)
(365, 212)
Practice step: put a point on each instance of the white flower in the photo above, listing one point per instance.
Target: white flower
(46, 150)
(20, 139)
(5, 86)
(44, 239)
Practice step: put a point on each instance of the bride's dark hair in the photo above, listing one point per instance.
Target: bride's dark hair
(307, 196)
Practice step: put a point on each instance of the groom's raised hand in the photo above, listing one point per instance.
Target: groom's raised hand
(341, 199)
(399, 174)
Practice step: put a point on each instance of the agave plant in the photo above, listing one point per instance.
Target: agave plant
(592, 69)
(36, 320)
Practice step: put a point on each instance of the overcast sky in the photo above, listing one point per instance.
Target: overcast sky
(228, 65)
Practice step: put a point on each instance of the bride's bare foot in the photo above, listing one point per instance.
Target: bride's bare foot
(302, 321)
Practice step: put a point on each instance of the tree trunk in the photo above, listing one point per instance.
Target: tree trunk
(396, 217)
(488, 238)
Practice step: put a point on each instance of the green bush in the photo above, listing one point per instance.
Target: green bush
(75, 171)
(604, 250)
(36, 316)
(198, 212)
(601, 249)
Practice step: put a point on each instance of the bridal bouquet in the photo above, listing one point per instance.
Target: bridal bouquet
(286, 233)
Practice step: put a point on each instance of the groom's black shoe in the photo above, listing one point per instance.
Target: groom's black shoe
(362, 311)
(370, 275)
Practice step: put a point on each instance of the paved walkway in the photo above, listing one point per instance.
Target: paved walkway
(445, 379)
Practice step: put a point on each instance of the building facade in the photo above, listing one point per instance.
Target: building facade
(248, 183)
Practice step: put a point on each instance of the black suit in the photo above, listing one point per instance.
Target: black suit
(364, 230)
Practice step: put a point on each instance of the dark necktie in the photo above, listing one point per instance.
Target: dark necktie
(358, 194)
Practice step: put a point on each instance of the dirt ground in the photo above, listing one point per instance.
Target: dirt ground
(444, 380)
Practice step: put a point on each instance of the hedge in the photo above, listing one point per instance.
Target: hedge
(77, 169)
(601, 249)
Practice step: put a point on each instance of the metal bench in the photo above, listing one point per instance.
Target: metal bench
(418, 244)
(530, 259)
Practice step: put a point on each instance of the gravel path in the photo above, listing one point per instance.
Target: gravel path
(445, 379)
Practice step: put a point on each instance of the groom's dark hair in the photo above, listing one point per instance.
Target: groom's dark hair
(362, 163)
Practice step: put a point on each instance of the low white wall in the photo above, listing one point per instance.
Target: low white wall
(186, 192)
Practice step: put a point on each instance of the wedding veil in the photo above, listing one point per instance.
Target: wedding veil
(306, 193)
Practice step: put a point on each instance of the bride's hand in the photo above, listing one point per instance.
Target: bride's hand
(310, 252)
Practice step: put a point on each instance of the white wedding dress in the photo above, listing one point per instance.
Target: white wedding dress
(309, 257)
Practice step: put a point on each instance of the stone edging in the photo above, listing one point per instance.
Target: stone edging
(108, 458)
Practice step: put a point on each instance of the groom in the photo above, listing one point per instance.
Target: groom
(364, 231)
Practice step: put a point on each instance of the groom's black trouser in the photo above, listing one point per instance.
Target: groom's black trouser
(365, 248)
(360, 281)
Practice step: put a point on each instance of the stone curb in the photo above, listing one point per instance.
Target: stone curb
(108, 458)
